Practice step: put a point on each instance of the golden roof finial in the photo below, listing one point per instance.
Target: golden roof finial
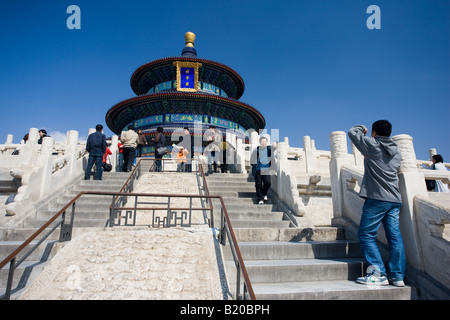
(189, 39)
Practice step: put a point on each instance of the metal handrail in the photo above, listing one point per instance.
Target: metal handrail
(227, 229)
(66, 229)
(65, 235)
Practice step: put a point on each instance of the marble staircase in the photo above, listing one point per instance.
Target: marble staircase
(291, 262)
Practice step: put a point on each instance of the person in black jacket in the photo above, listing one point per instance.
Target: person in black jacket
(160, 148)
(96, 146)
(42, 135)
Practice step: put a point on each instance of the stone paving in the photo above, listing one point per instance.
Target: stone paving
(138, 262)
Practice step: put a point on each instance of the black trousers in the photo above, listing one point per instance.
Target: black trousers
(262, 184)
(128, 158)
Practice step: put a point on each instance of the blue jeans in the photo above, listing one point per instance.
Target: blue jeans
(374, 213)
(98, 160)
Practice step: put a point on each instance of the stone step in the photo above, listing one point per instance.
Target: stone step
(230, 177)
(255, 216)
(82, 204)
(289, 234)
(236, 194)
(278, 250)
(7, 247)
(75, 191)
(259, 223)
(21, 234)
(78, 222)
(101, 183)
(247, 207)
(93, 212)
(231, 184)
(21, 271)
(296, 270)
(328, 290)
(85, 200)
(233, 200)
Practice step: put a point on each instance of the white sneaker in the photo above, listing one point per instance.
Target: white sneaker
(372, 279)
(261, 202)
(398, 283)
(265, 198)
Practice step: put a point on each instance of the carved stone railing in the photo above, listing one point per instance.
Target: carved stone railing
(43, 169)
(40, 171)
(286, 183)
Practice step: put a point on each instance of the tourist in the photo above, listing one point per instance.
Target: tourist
(22, 142)
(187, 142)
(129, 140)
(142, 141)
(181, 159)
(226, 147)
(261, 160)
(382, 204)
(96, 146)
(120, 147)
(438, 164)
(160, 148)
(42, 135)
(106, 160)
(213, 138)
(25, 139)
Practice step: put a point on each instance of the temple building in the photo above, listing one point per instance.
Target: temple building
(176, 92)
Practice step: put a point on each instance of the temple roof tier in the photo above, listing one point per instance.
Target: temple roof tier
(162, 70)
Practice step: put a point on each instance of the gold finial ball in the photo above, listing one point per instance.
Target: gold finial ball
(189, 39)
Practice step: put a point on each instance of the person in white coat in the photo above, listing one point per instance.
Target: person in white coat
(438, 164)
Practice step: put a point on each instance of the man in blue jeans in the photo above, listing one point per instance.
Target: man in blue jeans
(383, 201)
(96, 146)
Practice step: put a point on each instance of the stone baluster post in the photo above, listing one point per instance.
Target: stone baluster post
(9, 139)
(359, 159)
(254, 142)
(115, 152)
(339, 157)
(29, 152)
(411, 183)
(227, 151)
(282, 164)
(432, 152)
(232, 157)
(240, 156)
(46, 162)
(72, 152)
(309, 154)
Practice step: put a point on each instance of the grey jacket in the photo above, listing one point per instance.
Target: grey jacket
(381, 163)
(129, 139)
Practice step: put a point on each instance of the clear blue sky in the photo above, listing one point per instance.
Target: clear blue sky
(310, 67)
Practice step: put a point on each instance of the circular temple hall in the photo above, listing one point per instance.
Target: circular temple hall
(185, 91)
